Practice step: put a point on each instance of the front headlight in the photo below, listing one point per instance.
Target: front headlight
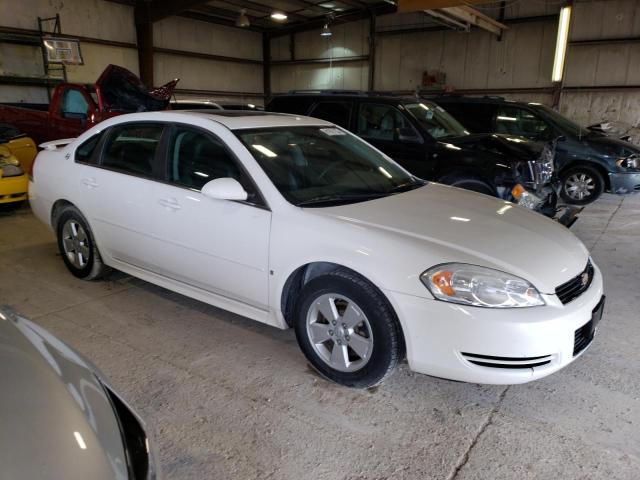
(632, 162)
(479, 286)
(11, 170)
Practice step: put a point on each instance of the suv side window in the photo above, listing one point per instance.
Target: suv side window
(477, 117)
(520, 121)
(73, 104)
(131, 148)
(379, 121)
(334, 112)
(85, 152)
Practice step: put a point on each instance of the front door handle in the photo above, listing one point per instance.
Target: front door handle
(170, 204)
(89, 182)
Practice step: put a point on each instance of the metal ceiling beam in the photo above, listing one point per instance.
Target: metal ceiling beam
(405, 6)
(160, 9)
(474, 17)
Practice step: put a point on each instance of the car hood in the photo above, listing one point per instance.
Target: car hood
(454, 225)
(611, 146)
(122, 91)
(510, 147)
(57, 421)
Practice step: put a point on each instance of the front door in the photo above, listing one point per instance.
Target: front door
(217, 245)
(389, 130)
(73, 114)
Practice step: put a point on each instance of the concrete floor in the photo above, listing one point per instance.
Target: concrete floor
(232, 399)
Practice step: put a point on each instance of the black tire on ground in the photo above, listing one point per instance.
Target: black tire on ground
(91, 267)
(472, 184)
(382, 327)
(576, 179)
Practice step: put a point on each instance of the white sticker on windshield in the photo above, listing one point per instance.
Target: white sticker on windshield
(332, 131)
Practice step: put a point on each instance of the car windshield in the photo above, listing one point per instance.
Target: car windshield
(435, 120)
(315, 166)
(563, 122)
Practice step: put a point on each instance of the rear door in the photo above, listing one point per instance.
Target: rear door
(119, 193)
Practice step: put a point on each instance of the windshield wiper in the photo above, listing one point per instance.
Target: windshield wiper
(405, 187)
(340, 198)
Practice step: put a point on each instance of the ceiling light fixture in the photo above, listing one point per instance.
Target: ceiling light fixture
(326, 31)
(243, 21)
(561, 43)
(279, 16)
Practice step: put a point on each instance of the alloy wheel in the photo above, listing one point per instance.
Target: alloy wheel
(339, 332)
(75, 242)
(580, 186)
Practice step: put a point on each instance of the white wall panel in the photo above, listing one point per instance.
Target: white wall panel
(179, 33)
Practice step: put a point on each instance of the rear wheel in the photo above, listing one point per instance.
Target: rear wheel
(347, 330)
(77, 246)
(581, 185)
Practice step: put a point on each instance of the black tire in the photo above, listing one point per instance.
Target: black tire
(472, 184)
(385, 332)
(93, 268)
(591, 176)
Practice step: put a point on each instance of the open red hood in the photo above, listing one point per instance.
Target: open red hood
(122, 91)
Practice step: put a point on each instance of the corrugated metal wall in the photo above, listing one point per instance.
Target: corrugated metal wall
(477, 60)
(115, 22)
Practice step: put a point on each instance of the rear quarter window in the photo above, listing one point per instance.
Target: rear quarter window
(86, 153)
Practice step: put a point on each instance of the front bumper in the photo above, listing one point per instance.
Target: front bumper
(624, 182)
(438, 333)
(13, 189)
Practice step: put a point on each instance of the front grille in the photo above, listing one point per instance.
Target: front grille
(577, 285)
(506, 362)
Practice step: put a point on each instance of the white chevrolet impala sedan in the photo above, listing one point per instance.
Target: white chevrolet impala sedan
(295, 222)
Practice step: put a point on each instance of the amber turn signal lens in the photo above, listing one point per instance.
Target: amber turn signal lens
(442, 280)
(517, 191)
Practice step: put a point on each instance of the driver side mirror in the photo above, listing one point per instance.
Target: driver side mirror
(224, 189)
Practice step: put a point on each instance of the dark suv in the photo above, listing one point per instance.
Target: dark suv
(588, 162)
(431, 144)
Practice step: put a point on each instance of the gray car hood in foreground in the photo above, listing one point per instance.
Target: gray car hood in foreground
(56, 421)
(458, 225)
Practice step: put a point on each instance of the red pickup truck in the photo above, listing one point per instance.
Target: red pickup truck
(74, 108)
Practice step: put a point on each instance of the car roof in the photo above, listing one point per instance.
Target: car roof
(232, 119)
(347, 96)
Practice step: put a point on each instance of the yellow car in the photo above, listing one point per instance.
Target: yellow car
(17, 153)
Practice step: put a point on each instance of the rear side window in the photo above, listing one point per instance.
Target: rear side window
(85, 153)
(131, 148)
(334, 112)
(298, 105)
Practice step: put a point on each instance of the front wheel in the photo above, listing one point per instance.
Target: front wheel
(581, 185)
(347, 330)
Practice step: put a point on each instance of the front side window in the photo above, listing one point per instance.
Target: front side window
(74, 105)
(435, 120)
(131, 148)
(196, 158)
(338, 113)
(522, 122)
(383, 122)
(85, 152)
(315, 166)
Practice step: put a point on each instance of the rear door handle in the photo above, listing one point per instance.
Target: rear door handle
(90, 182)
(170, 204)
